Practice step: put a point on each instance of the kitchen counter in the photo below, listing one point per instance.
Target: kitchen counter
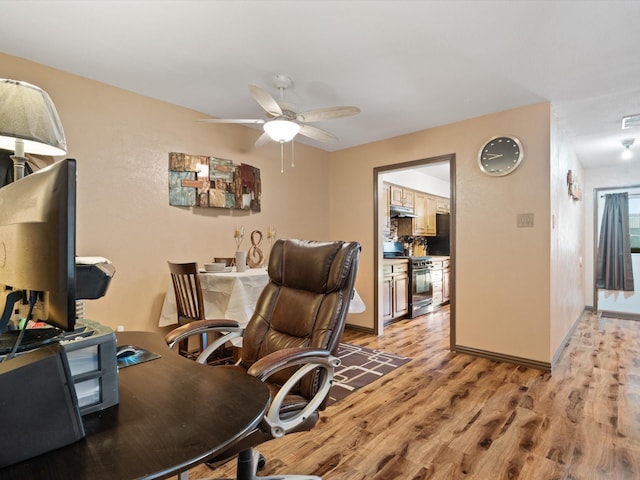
(394, 261)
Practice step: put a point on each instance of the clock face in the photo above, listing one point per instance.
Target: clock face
(500, 156)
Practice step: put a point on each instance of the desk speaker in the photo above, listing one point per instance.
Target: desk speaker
(38, 406)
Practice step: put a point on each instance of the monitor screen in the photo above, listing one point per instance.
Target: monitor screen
(38, 241)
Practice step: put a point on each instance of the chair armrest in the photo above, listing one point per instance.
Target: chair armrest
(197, 327)
(285, 358)
(310, 359)
(229, 329)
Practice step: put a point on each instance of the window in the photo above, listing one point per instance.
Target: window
(634, 223)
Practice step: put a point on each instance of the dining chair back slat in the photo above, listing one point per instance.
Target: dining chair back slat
(188, 292)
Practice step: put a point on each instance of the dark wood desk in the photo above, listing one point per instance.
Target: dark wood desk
(173, 414)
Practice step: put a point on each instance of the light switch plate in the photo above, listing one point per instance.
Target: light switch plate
(525, 220)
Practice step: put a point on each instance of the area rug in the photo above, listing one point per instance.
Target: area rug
(361, 366)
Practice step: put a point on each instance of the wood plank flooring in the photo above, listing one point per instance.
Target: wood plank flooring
(448, 416)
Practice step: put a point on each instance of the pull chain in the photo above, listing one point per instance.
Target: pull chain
(293, 158)
(281, 157)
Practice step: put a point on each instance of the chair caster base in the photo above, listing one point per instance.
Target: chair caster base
(250, 461)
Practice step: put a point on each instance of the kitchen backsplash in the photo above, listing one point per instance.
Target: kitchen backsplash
(413, 246)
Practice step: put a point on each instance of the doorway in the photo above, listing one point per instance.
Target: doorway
(380, 213)
(619, 304)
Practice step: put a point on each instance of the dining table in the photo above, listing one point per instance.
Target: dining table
(231, 295)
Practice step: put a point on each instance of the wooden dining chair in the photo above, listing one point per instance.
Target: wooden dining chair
(188, 292)
(190, 307)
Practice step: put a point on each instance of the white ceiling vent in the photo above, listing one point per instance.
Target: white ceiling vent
(631, 121)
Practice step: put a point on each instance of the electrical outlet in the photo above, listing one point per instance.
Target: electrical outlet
(525, 220)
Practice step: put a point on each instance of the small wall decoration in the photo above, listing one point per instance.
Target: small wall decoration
(203, 181)
(256, 257)
(573, 186)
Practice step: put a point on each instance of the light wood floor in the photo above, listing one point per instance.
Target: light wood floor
(446, 416)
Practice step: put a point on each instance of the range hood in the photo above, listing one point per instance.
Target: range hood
(397, 211)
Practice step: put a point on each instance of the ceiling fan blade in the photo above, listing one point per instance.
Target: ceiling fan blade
(317, 134)
(262, 139)
(232, 120)
(265, 100)
(326, 114)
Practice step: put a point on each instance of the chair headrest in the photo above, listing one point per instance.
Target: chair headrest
(319, 267)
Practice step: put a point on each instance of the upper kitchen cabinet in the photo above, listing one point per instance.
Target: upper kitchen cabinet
(386, 199)
(424, 224)
(443, 205)
(419, 226)
(402, 197)
(431, 204)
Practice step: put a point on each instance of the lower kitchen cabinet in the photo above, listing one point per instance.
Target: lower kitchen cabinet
(440, 272)
(395, 300)
(445, 283)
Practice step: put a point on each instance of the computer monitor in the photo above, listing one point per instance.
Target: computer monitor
(38, 241)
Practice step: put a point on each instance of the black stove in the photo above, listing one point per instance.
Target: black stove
(420, 262)
(420, 287)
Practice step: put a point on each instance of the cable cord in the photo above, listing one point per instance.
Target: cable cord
(12, 299)
(33, 297)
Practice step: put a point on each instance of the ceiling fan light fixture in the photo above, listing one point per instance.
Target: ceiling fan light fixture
(281, 130)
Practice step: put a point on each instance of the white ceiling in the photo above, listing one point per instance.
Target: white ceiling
(409, 65)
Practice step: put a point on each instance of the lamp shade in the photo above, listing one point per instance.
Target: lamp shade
(28, 114)
(281, 130)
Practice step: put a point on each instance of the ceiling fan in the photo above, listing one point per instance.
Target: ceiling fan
(283, 123)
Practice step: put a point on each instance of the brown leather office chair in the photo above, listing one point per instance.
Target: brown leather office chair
(291, 340)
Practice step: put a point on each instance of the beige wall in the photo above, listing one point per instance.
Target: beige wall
(502, 272)
(567, 243)
(121, 141)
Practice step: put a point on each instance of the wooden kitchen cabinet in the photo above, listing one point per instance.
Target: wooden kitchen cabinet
(440, 274)
(424, 223)
(443, 205)
(420, 222)
(430, 210)
(402, 197)
(436, 282)
(386, 199)
(395, 300)
(445, 285)
(400, 295)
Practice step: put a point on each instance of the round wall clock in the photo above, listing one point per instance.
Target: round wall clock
(500, 155)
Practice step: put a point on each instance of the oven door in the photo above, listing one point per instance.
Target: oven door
(421, 291)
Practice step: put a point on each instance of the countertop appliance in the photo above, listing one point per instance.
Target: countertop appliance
(393, 250)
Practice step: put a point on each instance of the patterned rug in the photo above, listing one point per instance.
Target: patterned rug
(361, 366)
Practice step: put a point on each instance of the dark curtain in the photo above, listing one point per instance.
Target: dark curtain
(613, 269)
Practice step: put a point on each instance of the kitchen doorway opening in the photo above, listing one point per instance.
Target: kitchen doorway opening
(439, 170)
